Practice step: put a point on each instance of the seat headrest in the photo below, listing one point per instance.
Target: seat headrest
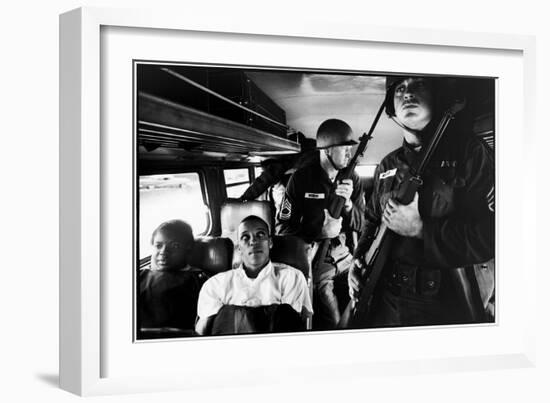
(212, 254)
(233, 212)
(291, 250)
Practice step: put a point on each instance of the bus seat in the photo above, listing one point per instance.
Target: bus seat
(291, 250)
(212, 254)
(233, 211)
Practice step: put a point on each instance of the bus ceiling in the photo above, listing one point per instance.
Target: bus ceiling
(190, 114)
(166, 124)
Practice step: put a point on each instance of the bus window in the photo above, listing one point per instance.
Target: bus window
(365, 171)
(257, 171)
(168, 197)
(236, 182)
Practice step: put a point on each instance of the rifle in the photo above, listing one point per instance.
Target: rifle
(355, 314)
(336, 203)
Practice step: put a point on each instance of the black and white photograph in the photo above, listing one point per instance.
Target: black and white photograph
(273, 200)
(294, 201)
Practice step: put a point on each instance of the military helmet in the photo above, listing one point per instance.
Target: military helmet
(334, 132)
(445, 90)
(391, 84)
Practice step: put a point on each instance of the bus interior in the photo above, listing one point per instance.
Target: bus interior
(217, 143)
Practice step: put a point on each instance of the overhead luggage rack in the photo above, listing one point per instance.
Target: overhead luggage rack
(163, 123)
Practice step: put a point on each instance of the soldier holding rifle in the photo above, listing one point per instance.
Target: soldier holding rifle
(309, 194)
(449, 223)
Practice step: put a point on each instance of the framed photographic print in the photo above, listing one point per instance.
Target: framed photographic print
(201, 172)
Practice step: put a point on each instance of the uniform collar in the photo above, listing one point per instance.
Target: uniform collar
(410, 148)
(323, 176)
(410, 153)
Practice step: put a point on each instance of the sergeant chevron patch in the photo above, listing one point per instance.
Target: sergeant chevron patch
(491, 199)
(286, 209)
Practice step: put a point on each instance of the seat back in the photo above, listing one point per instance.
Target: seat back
(212, 254)
(294, 251)
(291, 250)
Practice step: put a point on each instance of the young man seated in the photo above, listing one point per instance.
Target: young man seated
(169, 287)
(258, 296)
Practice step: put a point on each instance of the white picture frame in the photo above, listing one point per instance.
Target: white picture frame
(96, 357)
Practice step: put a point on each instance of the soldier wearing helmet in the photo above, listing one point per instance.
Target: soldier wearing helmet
(304, 213)
(448, 225)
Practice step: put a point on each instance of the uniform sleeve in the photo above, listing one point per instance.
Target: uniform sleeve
(295, 292)
(468, 235)
(355, 219)
(270, 175)
(209, 302)
(372, 217)
(290, 215)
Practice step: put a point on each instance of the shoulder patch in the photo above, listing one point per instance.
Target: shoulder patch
(286, 209)
(491, 199)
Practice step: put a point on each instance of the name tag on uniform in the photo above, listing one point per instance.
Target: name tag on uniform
(388, 173)
(314, 195)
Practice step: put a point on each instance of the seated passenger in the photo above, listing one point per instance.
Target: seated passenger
(258, 296)
(169, 287)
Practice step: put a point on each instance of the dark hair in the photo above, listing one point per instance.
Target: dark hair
(256, 218)
(334, 132)
(179, 229)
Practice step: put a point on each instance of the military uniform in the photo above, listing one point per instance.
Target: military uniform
(307, 195)
(302, 213)
(456, 204)
(274, 171)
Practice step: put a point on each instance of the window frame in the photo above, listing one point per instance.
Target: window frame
(228, 185)
(172, 171)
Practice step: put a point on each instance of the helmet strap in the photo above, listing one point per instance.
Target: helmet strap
(329, 158)
(418, 133)
(401, 125)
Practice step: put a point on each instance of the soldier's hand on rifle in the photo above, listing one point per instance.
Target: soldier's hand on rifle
(331, 226)
(355, 280)
(403, 219)
(344, 188)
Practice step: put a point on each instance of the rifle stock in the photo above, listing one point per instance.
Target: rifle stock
(356, 311)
